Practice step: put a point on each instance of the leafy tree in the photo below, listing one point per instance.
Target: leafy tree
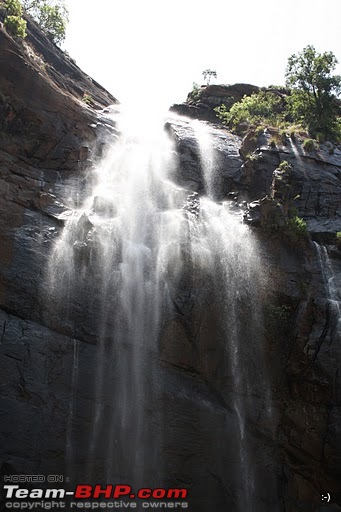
(208, 74)
(314, 89)
(51, 15)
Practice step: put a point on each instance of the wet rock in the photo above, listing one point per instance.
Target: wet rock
(201, 111)
(192, 204)
(104, 206)
(233, 195)
(266, 213)
(226, 153)
(84, 226)
(281, 189)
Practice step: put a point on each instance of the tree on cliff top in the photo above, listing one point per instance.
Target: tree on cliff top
(208, 74)
(314, 90)
(51, 15)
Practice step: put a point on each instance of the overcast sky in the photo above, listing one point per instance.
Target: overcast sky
(144, 49)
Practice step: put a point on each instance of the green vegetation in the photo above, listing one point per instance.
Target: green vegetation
(13, 7)
(281, 189)
(16, 26)
(338, 239)
(51, 15)
(309, 102)
(194, 95)
(296, 228)
(264, 107)
(88, 99)
(308, 145)
(252, 157)
(285, 167)
(14, 23)
(313, 91)
(278, 137)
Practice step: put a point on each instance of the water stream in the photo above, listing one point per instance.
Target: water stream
(129, 251)
(332, 287)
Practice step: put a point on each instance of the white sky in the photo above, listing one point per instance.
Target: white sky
(156, 49)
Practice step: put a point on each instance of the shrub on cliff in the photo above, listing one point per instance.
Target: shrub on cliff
(308, 145)
(16, 26)
(296, 228)
(261, 107)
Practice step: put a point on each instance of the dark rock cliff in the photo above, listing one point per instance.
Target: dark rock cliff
(302, 322)
(49, 139)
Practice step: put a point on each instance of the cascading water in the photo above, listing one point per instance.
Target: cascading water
(138, 251)
(206, 156)
(332, 287)
(238, 281)
(69, 440)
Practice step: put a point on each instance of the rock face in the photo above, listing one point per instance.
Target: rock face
(211, 96)
(215, 95)
(228, 160)
(303, 314)
(49, 141)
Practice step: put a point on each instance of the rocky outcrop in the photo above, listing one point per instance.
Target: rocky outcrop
(202, 105)
(215, 95)
(314, 181)
(199, 111)
(228, 161)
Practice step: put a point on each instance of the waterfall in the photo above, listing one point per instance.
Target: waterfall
(74, 381)
(332, 287)
(206, 152)
(137, 251)
(237, 280)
